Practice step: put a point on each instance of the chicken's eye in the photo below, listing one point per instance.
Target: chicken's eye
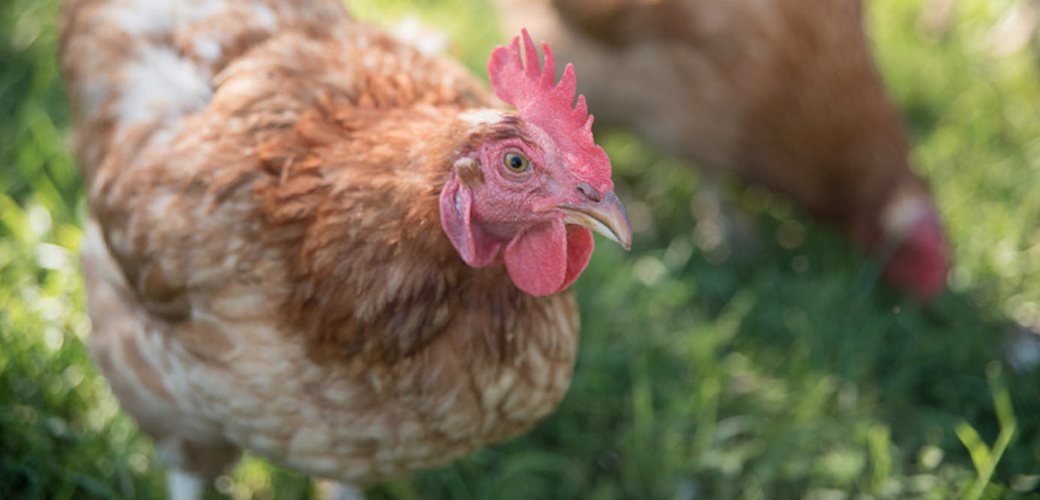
(516, 163)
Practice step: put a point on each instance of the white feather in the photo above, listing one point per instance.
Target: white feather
(162, 86)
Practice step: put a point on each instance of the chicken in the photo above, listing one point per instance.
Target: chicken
(782, 93)
(309, 240)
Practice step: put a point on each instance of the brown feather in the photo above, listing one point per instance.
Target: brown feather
(266, 265)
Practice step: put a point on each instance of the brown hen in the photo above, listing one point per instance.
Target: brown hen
(311, 241)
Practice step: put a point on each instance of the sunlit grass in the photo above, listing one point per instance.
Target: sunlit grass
(771, 363)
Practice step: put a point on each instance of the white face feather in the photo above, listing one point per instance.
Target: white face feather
(899, 217)
(482, 116)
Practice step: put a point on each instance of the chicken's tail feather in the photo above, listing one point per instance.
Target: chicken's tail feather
(135, 68)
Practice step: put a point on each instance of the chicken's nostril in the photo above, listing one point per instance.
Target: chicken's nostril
(589, 192)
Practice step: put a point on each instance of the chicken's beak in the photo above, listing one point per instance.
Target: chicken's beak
(606, 216)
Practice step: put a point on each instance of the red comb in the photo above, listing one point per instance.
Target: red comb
(547, 104)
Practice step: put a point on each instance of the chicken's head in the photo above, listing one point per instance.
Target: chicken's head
(531, 185)
(912, 238)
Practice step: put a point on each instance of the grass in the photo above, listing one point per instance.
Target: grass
(778, 367)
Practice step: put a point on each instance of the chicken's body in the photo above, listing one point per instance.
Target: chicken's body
(266, 265)
(783, 93)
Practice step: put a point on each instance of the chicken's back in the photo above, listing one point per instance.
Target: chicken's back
(138, 64)
(264, 260)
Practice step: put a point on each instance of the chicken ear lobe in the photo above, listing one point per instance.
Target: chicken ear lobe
(456, 203)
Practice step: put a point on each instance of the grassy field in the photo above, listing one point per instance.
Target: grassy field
(761, 370)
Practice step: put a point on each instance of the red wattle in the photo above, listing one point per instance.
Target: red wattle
(579, 252)
(548, 258)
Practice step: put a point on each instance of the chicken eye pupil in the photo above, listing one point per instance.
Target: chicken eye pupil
(516, 162)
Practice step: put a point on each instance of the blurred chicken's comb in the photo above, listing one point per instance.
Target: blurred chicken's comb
(545, 103)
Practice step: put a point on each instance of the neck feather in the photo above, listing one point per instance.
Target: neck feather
(355, 212)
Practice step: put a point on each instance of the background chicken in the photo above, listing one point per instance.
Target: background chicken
(311, 241)
(783, 93)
